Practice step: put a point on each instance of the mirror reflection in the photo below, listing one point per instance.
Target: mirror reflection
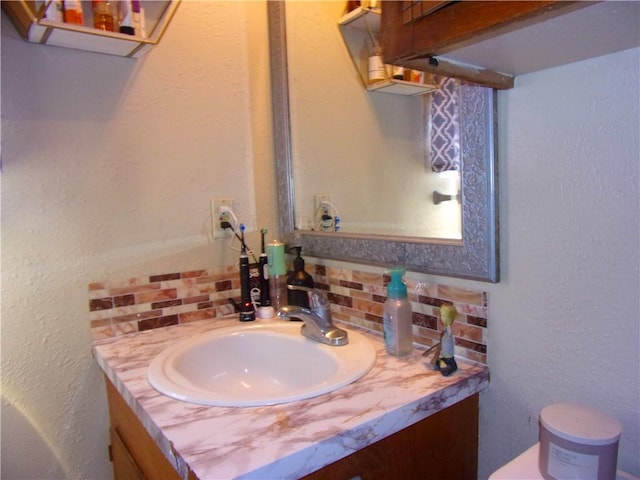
(366, 162)
(474, 256)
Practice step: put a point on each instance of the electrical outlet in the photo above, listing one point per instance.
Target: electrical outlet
(318, 198)
(218, 216)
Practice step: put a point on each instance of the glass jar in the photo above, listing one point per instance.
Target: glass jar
(104, 15)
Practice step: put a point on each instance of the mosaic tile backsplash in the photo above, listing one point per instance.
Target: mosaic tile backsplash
(143, 303)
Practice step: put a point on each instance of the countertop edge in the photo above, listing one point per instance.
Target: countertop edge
(344, 444)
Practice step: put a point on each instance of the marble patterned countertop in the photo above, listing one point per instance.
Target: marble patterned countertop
(282, 441)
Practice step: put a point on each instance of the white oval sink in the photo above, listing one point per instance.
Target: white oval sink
(262, 363)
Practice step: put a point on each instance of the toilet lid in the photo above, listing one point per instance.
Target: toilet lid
(580, 424)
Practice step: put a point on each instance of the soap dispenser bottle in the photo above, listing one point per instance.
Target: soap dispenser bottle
(397, 324)
(299, 278)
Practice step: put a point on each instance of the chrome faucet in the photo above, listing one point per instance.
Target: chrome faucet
(318, 325)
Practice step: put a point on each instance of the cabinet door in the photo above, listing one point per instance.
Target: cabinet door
(414, 9)
(422, 42)
(133, 450)
(443, 446)
(124, 466)
(453, 25)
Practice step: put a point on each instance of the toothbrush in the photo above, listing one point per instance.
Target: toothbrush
(226, 225)
(247, 313)
(265, 294)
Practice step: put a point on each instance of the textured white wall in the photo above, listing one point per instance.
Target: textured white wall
(109, 165)
(563, 322)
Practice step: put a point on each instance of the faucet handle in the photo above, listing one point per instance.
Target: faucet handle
(318, 302)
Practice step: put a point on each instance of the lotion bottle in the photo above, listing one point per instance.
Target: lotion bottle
(397, 324)
(299, 278)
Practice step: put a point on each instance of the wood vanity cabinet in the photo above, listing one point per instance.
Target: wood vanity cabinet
(412, 33)
(134, 453)
(444, 445)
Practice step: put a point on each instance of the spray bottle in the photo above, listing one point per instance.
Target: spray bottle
(397, 324)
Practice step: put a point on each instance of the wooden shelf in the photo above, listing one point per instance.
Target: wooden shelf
(401, 87)
(360, 17)
(28, 20)
(357, 27)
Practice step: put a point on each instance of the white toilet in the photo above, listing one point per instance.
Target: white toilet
(525, 467)
(576, 442)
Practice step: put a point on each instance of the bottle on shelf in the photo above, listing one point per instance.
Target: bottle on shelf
(73, 12)
(103, 15)
(54, 11)
(137, 18)
(417, 76)
(397, 73)
(125, 20)
(377, 71)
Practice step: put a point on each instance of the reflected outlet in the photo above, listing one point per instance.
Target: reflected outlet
(220, 207)
(318, 198)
